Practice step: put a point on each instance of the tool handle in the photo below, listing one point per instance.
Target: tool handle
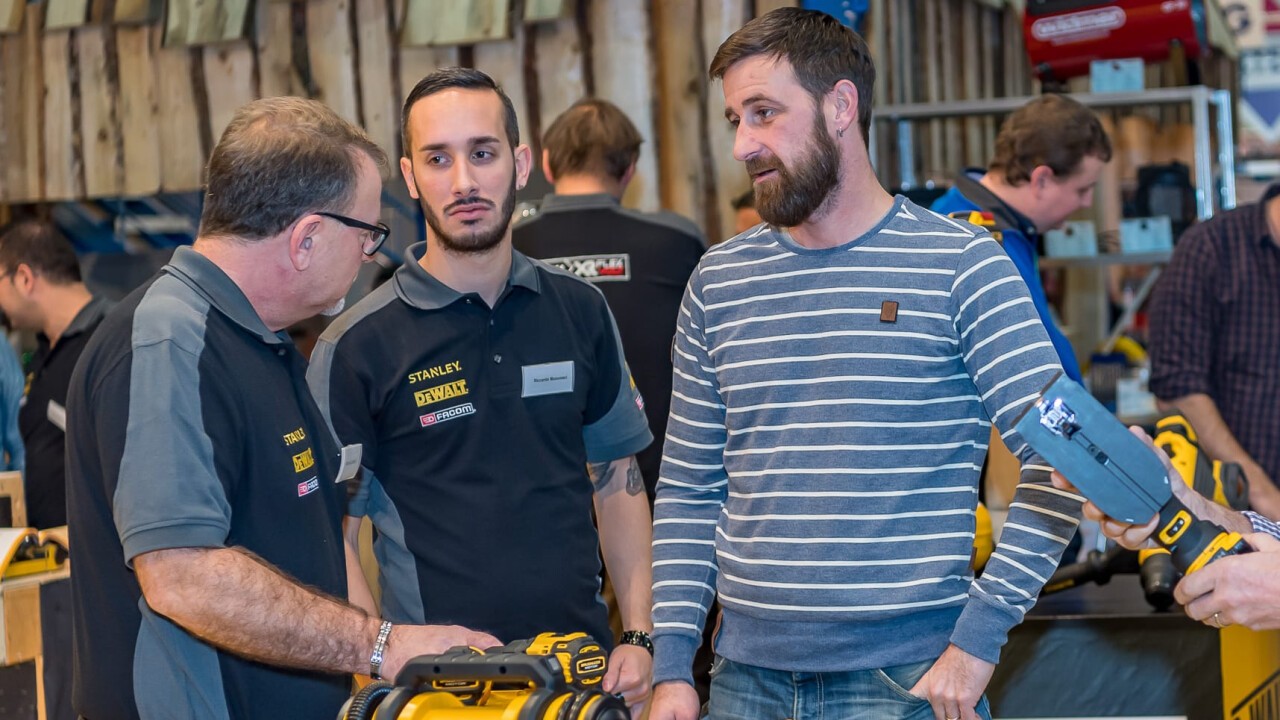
(1192, 542)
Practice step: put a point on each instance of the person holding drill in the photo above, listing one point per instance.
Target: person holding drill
(1235, 590)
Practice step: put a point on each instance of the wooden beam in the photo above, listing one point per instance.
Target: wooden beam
(182, 150)
(624, 73)
(99, 123)
(139, 116)
(229, 80)
(63, 179)
(21, 112)
(274, 38)
(378, 101)
(418, 62)
(765, 6)
(720, 18)
(682, 97)
(332, 56)
(504, 62)
(448, 22)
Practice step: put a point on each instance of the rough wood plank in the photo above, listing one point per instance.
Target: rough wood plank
(182, 151)
(418, 62)
(29, 91)
(63, 179)
(377, 84)
(197, 22)
(139, 112)
(990, 70)
(448, 22)
(63, 14)
(137, 11)
(971, 47)
(504, 62)
(720, 18)
(559, 63)
(764, 6)
(228, 77)
(624, 74)
(11, 15)
(952, 152)
(547, 10)
(274, 37)
(682, 96)
(99, 124)
(333, 56)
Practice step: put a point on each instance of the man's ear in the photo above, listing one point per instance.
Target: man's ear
(546, 166)
(524, 164)
(844, 105)
(1041, 177)
(406, 171)
(303, 243)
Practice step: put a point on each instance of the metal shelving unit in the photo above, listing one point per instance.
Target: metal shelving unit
(1199, 97)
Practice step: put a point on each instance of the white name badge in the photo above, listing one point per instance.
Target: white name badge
(350, 462)
(547, 379)
(57, 415)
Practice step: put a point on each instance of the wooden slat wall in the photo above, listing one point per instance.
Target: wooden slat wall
(103, 109)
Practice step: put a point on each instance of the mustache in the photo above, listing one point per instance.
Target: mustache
(468, 202)
(757, 165)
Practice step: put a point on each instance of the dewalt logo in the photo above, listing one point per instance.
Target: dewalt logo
(436, 394)
(1262, 704)
(303, 460)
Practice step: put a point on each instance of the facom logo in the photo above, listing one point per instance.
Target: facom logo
(1088, 22)
(450, 413)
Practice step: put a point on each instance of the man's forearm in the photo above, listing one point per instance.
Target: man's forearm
(1212, 431)
(625, 540)
(235, 600)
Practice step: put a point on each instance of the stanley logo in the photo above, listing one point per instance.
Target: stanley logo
(1262, 704)
(303, 461)
(447, 391)
(294, 437)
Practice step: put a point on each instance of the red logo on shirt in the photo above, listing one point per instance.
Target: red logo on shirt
(308, 487)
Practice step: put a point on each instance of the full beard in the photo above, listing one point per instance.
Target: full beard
(796, 196)
(480, 240)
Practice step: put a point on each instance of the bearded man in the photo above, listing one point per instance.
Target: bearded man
(495, 407)
(837, 374)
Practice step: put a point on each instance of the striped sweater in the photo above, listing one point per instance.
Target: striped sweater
(830, 416)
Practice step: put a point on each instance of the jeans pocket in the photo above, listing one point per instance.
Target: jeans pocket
(717, 664)
(895, 678)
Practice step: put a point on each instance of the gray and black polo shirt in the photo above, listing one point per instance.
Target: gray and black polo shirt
(191, 425)
(477, 425)
(641, 262)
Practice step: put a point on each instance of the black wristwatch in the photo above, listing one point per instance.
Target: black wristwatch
(637, 637)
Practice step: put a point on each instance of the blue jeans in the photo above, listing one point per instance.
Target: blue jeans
(740, 691)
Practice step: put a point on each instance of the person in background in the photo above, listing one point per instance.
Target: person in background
(12, 382)
(41, 291)
(1049, 154)
(745, 215)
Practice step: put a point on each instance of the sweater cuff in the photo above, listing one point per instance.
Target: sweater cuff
(673, 657)
(982, 630)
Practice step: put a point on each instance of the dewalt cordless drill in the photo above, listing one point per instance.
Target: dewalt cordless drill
(551, 677)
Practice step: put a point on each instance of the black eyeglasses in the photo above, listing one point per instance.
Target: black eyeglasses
(374, 235)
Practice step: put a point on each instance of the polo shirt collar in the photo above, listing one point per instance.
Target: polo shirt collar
(207, 279)
(88, 316)
(420, 289)
(594, 201)
(969, 185)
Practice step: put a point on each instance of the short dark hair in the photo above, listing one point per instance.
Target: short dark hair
(745, 201)
(43, 248)
(456, 77)
(279, 159)
(819, 49)
(593, 136)
(1051, 130)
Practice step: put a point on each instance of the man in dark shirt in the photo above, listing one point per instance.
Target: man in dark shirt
(41, 291)
(198, 457)
(640, 261)
(1215, 340)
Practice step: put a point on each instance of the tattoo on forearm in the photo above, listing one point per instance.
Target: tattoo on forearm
(600, 473)
(635, 481)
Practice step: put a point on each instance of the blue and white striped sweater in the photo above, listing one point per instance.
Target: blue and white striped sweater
(821, 465)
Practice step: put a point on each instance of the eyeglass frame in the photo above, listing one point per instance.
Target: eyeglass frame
(380, 230)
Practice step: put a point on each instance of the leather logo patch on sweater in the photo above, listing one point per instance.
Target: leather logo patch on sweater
(889, 311)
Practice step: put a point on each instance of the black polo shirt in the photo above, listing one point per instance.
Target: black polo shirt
(477, 425)
(641, 262)
(42, 418)
(191, 425)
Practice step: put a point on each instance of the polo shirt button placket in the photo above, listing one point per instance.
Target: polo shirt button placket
(497, 359)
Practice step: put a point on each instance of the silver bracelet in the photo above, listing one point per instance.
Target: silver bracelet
(379, 647)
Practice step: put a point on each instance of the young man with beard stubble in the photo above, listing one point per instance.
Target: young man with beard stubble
(837, 372)
(494, 405)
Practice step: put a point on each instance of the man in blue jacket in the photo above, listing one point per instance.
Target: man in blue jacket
(1048, 156)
